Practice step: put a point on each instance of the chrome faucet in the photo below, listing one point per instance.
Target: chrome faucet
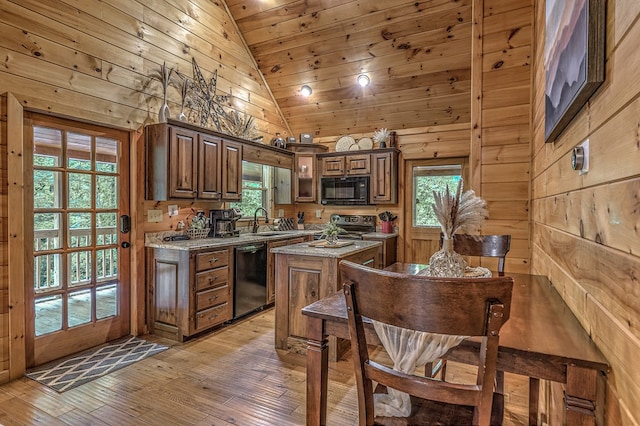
(255, 218)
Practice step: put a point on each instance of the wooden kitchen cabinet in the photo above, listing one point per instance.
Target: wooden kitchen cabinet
(384, 185)
(305, 178)
(388, 251)
(183, 163)
(303, 277)
(271, 263)
(189, 291)
(351, 165)
(231, 170)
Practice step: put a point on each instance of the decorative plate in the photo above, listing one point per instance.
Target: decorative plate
(365, 143)
(344, 143)
(354, 147)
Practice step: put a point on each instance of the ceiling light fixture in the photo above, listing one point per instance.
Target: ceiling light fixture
(363, 80)
(306, 90)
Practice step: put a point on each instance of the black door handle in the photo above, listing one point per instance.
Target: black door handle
(125, 244)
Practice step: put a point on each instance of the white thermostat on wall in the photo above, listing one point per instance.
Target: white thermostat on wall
(306, 138)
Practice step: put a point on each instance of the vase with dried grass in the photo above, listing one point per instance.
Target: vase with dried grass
(462, 211)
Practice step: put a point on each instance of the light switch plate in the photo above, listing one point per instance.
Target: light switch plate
(319, 214)
(173, 210)
(154, 215)
(280, 212)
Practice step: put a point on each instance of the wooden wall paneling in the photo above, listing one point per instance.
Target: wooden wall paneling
(17, 254)
(513, 95)
(509, 58)
(4, 245)
(605, 214)
(477, 109)
(508, 77)
(499, 154)
(506, 135)
(510, 172)
(507, 39)
(138, 282)
(612, 336)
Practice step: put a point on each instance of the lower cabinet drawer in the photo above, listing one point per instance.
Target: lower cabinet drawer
(211, 278)
(211, 317)
(206, 299)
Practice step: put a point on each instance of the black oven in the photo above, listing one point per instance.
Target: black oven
(344, 190)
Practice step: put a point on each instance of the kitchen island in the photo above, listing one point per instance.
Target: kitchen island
(305, 274)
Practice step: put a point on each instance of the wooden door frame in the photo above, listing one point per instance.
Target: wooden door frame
(17, 254)
(407, 201)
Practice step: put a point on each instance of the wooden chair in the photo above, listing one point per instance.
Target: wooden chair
(482, 245)
(454, 306)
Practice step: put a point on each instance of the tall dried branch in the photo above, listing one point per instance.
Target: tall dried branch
(462, 211)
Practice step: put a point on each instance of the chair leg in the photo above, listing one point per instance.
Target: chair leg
(534, 395)
(500, 382)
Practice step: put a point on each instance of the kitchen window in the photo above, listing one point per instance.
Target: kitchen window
(256, 190)
(427, 179)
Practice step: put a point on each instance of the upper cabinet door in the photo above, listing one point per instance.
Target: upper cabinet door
(305, 183)
(383, 178)
(183, 152)
(209, 168)
(358, 164)
(231, 170)
(333, 166)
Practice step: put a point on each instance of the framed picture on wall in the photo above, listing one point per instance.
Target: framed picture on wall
(573, 59)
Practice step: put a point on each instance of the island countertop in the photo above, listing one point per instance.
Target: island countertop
(304, 249)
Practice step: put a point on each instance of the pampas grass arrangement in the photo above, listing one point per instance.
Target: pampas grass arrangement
(455, 212)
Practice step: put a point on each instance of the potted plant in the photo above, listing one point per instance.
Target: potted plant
(331, 231)
(381, 136)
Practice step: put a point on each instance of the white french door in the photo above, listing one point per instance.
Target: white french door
(80, 294)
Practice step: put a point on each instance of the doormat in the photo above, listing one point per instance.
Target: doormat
(84, 367)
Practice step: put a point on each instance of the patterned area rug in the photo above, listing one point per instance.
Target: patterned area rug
(81, 368)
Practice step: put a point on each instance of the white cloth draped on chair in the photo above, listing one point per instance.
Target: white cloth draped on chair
(408, 349)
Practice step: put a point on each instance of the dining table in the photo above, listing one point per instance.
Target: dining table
(542, 340)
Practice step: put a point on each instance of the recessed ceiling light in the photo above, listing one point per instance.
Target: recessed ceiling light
(363, 80)
(306, 90)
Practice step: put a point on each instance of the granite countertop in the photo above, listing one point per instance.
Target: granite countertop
(303, 249)
(380, 235)
(156, 241)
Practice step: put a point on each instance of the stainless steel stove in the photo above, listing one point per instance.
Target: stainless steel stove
(355, 225)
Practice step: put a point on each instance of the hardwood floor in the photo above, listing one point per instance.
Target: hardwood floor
(231, 377)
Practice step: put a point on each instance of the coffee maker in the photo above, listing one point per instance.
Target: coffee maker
(223, 223)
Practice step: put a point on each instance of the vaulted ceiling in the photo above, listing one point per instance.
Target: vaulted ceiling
(416, 53)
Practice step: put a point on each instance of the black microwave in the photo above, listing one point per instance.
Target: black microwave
(344, 190)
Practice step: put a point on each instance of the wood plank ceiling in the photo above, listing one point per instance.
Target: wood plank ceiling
(416, 53)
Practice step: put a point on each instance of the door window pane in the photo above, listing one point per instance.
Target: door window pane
(47, 189)
(48, 314)
(80, 228)
(47, 234)
(426, 180)
(106, 264)
(46, 272)
(79, 263)
(79, 307)
(78, 151)
(106, 155)
(106, 229)
(107, 301)
(107, 192)
(47, 147)
(80, 190)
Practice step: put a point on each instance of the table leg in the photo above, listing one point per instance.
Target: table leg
(534, 400)
(317, 372)
(584, 396)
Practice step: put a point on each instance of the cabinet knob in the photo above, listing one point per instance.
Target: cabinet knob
(213, 260)
(212, 279)
(213, 316)
(211, 299)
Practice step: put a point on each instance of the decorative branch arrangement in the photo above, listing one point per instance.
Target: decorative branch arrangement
(462, 211)
(207, 107)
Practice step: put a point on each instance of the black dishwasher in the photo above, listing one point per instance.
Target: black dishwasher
(250, 290)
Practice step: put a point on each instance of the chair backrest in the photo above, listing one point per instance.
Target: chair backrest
(483, 245)
(454, 306)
